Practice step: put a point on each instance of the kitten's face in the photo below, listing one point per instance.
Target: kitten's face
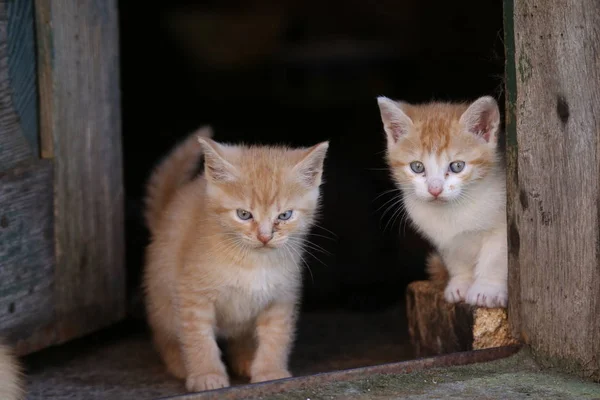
(264, 198)
(437, 151)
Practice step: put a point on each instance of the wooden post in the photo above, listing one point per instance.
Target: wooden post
(553, 140)
(80, 108)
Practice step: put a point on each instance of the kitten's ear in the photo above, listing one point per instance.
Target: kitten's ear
(395, 122)
(216, 168)
(310, 168)
(482, 119)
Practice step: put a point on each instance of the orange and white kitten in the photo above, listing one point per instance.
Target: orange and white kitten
(225, 256)
(443, 157)
(11, 387)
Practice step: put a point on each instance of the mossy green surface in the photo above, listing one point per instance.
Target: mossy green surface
(516, 377)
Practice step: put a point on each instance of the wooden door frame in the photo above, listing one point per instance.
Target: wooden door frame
(553, 179)
(62, 264)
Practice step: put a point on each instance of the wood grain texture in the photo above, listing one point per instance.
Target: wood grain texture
(512, 189)
(556, 213)
(14, 147)
(80, 106)
(22, 67)
(436, 326)
(26, 250)
(43, 30)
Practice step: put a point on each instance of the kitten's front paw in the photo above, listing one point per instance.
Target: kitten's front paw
(270, 376)
(199, 383)
(456, 291)
(488, 294)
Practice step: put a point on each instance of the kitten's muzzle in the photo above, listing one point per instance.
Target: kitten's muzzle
(435, 187)
(264, 237)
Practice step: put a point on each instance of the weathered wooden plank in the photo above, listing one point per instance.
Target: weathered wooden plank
(43, 30)
(512, 190)
(22, 67)
(14, 147)
(80, 107)
(26, 250)
(555, 227)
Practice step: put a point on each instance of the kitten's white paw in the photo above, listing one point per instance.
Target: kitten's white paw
(270, 376)
(456, 290)
(199, 383)
(488, 294)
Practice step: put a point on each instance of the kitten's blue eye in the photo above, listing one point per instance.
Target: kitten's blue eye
(457, 166)
(417, 167)
(243, 214)
(285, 216)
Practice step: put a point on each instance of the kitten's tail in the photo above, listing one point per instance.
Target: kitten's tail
(11, 385)
(436, 269)
(176, 169)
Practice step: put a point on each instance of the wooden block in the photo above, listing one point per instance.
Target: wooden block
(435, 326)
(438, 327)
(491, 328)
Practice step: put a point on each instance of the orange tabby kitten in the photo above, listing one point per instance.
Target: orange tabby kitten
(224, 260)
(444, 158)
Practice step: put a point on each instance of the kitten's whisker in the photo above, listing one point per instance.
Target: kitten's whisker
(386, 192)
(394, 199)
(227, 246)
(325, 229)
(306, 246)
(399, 213)
(312, 245)
(391, 221)
(322, 236)
(310, 253)
(392, 206)
(377, 169)
(305, 263)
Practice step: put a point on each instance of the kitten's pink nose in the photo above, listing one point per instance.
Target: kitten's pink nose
(435, 187)
(265, 238)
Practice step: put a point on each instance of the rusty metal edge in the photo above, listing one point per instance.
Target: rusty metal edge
(302, 382)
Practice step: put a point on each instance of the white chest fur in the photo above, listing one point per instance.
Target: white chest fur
(482, 211)
(249, 291)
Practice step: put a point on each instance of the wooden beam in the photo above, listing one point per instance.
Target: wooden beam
(80, 107)
(554, 182)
